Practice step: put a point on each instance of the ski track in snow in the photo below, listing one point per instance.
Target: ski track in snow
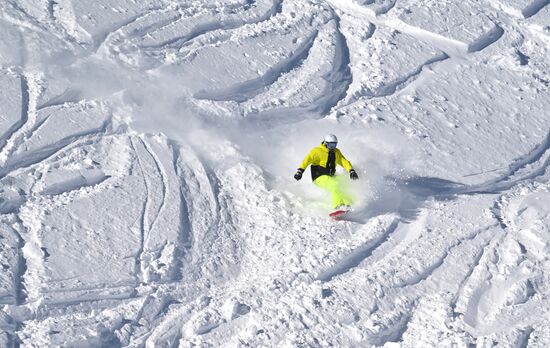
(24, 113)
(357, 256)
(117, 238)
(248, 89)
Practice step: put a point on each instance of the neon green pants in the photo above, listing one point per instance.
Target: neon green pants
(334, 184)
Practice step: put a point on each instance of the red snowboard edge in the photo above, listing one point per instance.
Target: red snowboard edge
(337, 213)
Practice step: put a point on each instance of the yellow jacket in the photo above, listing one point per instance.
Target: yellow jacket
(319, 157)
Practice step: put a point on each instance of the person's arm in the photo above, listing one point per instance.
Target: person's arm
(307, 160)
(341, 160)
(305, 163)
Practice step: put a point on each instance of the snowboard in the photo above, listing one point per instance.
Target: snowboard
(337, 214)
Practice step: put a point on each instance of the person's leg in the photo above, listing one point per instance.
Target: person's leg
(333, 185)
(341, 185)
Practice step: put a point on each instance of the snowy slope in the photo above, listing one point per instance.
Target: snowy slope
(146, 157)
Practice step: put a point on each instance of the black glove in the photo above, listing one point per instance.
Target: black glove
(353, 175)
(298, 174)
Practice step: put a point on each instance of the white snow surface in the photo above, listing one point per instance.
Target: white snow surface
(147, 153)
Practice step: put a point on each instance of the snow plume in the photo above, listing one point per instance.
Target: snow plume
(376, 154)
(158, 102)
(151, 101)
(381, 156)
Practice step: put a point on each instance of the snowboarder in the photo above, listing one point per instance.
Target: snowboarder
(323, 160)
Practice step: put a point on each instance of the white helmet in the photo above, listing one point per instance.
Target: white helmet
(330, 141)
(331, 138)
